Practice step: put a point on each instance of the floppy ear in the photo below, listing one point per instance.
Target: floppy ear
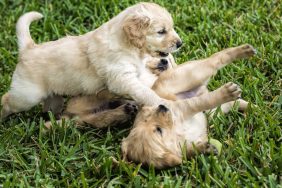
(135, 28)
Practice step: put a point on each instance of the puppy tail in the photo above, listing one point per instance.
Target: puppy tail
(23, 34)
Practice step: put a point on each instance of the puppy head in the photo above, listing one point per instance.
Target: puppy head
(152, 141)
(150, 27)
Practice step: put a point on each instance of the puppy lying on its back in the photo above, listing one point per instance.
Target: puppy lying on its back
(162, 134)
(108, 57)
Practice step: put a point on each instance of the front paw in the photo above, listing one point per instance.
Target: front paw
(231, 91)
(131, 109)
(246, 50)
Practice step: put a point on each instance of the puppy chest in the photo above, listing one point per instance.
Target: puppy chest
(146, 77)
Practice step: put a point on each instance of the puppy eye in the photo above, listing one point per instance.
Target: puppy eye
(159, 130)
(161, 32)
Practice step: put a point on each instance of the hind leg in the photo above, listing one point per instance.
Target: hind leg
(21, 98)
(226, 107)
(242, 105)
(108, 117)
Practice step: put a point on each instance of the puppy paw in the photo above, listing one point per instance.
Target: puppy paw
(231, 91)
(130, 109)
(246, 50)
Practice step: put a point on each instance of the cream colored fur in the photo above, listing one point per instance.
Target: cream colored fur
(162, 137)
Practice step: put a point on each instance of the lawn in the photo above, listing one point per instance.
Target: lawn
(252, 152)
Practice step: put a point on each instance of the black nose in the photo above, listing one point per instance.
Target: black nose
(162, 108)
(178, 44)
(163, 65)
(164, 62)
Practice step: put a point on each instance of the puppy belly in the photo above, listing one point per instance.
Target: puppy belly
(188, 94)
(194, 129)
(75, 85)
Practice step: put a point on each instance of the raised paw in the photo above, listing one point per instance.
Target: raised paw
(231, 91)
(246, 50)
(130, 109)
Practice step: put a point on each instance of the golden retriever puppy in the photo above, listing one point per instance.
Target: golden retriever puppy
(162, 134)
(109, 57)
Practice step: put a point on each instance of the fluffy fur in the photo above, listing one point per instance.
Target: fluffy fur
(108, 57)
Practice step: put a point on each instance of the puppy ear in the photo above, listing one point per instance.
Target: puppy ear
(135, 28)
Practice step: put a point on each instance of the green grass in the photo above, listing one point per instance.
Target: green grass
(252, 152)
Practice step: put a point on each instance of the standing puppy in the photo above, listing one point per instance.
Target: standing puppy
(110, 56)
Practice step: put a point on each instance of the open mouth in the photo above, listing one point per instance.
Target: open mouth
(162, 54)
